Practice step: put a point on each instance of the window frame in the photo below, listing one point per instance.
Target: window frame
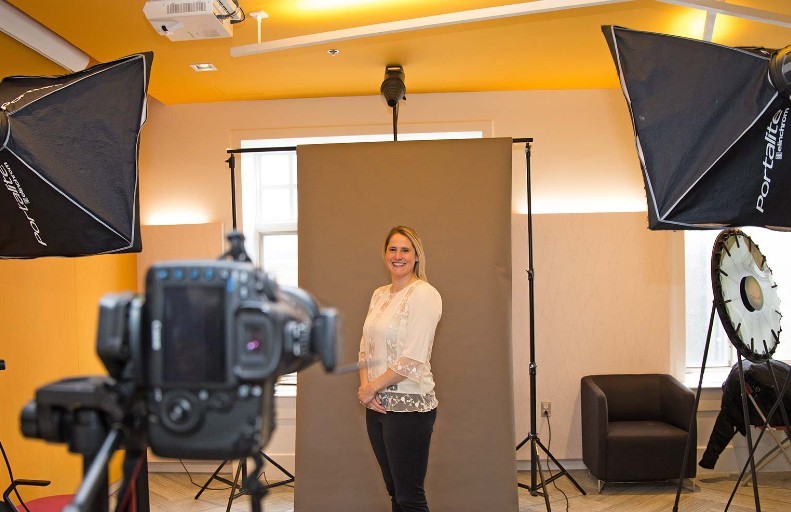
(715, 374)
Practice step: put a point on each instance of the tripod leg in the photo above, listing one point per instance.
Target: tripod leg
(133, 494)
(778, 403)
(694, 418)
(286, 472)
(212, 477)
(89, 496)
(562, 472)
(543, 486)
(749, 436)
(235, 485)
(533, 465)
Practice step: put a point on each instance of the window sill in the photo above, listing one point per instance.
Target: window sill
(712, 378)
(285, 390)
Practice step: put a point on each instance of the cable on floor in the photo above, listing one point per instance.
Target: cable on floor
(549, 447)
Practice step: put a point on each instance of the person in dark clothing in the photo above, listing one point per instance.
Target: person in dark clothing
(759, 379)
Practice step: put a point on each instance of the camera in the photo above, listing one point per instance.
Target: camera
(215, 337)
(193, 364)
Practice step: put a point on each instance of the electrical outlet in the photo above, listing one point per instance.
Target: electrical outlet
(546, 409)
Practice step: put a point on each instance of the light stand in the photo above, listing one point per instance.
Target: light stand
(535, 487)
(751, 447)
(746, 299)
(250, 483)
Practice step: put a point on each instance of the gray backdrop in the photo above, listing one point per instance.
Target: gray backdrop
(457, 195)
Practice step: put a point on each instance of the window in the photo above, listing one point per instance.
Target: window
(269, 211)
(698, 247)
(269, 200)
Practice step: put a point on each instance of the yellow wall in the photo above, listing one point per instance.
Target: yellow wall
(48, 316)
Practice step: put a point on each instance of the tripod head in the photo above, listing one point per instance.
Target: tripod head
(236, 252)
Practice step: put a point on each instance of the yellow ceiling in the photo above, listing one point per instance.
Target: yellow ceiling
(556, 50)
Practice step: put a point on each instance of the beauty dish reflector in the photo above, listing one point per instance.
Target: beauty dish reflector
(745, 295)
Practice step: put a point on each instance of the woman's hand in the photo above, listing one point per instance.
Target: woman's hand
(366, 393)
(369, 398)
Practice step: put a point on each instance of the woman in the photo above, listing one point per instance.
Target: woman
(396, 384)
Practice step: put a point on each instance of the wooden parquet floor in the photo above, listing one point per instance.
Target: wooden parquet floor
(173, 492)
(712, 492)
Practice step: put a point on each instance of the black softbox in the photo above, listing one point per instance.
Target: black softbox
(710, 128)
(68, 161)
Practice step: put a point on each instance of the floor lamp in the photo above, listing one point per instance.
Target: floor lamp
(536, 488)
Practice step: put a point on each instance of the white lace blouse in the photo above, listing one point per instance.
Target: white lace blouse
(399, 334)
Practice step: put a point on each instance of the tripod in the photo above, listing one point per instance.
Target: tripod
(240, 490)
(750, 446)
(91, 415)
(535, 487)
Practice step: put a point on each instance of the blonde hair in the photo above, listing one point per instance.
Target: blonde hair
(417, 243)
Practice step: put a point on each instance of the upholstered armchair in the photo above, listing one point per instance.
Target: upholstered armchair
(634, 428)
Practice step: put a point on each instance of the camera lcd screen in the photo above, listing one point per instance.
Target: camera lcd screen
(193, 335)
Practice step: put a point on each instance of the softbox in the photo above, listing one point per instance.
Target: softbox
(710, 130)
(68, 161)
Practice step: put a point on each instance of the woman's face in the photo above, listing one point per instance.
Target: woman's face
(400, 256)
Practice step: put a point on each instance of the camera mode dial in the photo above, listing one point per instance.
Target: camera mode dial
(181, 412)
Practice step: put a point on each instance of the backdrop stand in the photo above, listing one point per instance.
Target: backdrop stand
(535, 487)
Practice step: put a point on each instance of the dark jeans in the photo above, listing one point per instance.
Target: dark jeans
(401, 441)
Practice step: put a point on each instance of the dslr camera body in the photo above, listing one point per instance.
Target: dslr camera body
(216, 335)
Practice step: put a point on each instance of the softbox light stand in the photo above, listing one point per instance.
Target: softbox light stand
(536, 488)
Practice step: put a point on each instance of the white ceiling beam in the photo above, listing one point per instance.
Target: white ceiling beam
(708, 27)
(440, 20)
(37, 37)
(739, 11)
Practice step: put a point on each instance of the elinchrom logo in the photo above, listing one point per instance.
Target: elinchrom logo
(774, 151)
(12, 184)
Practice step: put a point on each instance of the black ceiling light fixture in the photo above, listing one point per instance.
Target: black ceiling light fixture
(393, 90)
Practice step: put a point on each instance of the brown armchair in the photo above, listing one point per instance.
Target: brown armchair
(634, 428)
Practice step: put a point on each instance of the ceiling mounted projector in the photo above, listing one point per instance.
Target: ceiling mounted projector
(190, 20)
